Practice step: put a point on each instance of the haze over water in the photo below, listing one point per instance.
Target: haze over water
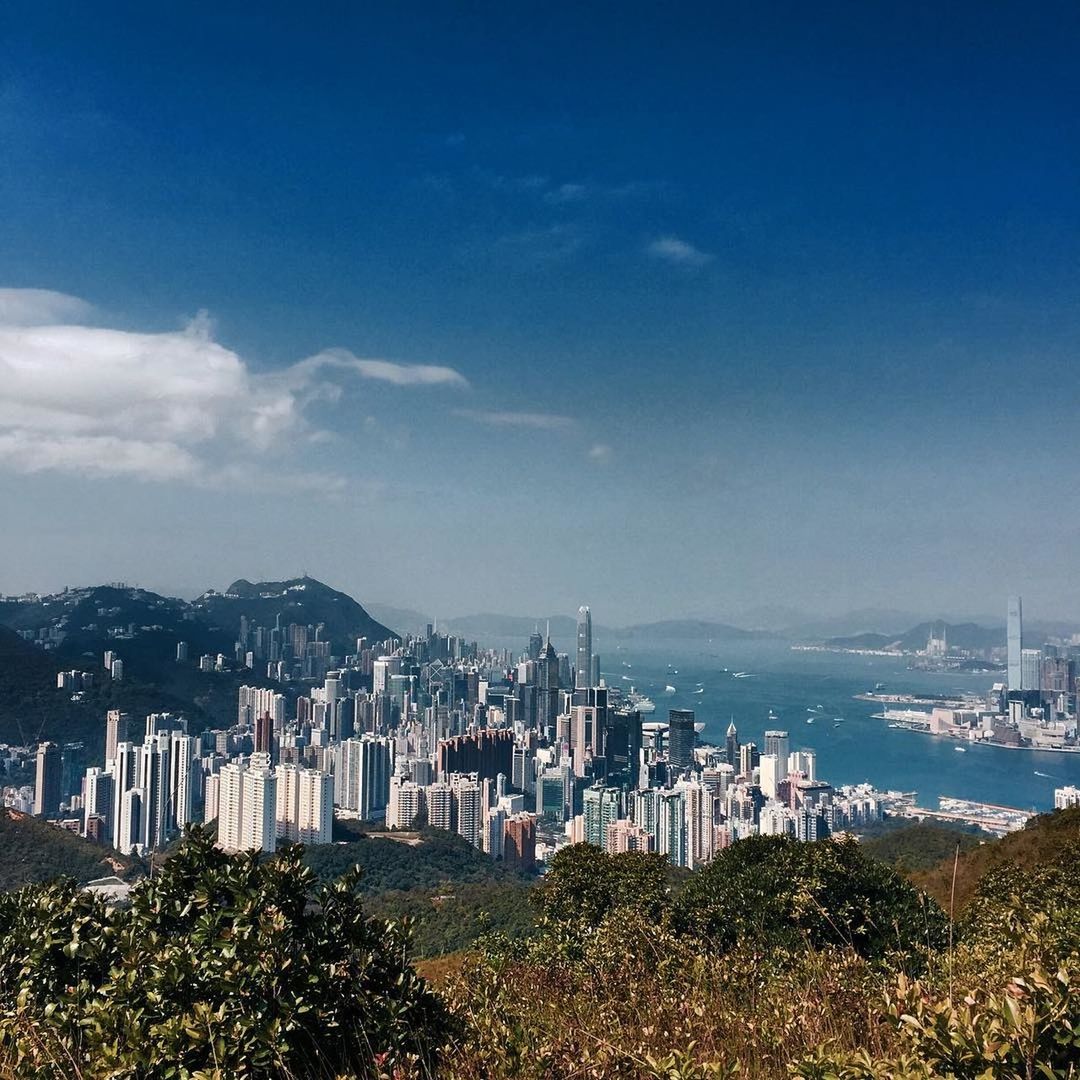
(861, 748)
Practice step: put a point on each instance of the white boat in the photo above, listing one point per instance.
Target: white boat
(669, 689)
(640, 702)
(960, 749)
(809, 719)
(701, 691)
(744, 674)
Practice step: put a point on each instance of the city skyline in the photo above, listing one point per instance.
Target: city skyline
(782, 308)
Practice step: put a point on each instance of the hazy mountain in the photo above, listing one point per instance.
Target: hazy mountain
(403, 620)
(482, 627)
(688, 630)
(861, 621)
(961, 636)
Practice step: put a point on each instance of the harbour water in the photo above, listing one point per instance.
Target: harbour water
(792, 684)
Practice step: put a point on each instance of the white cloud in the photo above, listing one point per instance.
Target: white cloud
(600, 453)
(165, 407)
(39, 307)
(384, 370)
(539, 421)
(678, 252)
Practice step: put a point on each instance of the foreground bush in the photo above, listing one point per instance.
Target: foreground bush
(777, 961)
(224, 966)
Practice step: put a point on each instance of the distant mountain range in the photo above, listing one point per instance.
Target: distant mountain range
(143, 628)
(966, 636)
(564, 628)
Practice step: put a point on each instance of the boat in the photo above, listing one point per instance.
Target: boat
(773, 716)
(894, 725)
(878, 687)
(744, 674)
(809, 719)
(626, 677)
(960, 749)
(701, 691)
(837, 723)
(669, 689)
(639, 702)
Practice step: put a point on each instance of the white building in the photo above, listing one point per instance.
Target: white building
(99, 800)
(468, 809)
(362, 775)
(406, 803)
(258, 818)
(230, 806)
(1066, 797)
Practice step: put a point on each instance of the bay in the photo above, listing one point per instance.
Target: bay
(861, 748)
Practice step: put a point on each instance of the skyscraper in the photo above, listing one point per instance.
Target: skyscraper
(778, 744)
(681, 737)
(1015, 642)
(731, 746)
(117, 728)
(47, 780)
(1031, 669)
(583, 670)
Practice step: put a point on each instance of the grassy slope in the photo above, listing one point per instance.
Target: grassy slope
(1039, 842)
(32, 851)
(919, 846)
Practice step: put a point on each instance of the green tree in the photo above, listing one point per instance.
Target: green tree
(773, 892)
(224, 966)
(585, 884)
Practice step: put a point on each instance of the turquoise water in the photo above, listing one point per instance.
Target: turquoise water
(861, 748)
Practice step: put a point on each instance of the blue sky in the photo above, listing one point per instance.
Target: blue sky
(680, 309)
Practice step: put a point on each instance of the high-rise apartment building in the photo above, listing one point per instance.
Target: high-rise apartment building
(117, 730)
(600, 807)
(362, 775)
(47, 780)
(406, 803)
(98, 803)
(468, 809)
(230, 814)
(258, 820)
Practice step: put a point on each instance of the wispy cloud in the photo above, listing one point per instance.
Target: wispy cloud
(382, 370)
(566, 193)
(539, 421)
(600, 453)
(173, 406)
(539, 247)
(677, 252)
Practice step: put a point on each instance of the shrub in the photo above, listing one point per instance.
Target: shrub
(224, 966)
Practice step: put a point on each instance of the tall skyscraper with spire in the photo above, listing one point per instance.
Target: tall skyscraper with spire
(583, 670)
